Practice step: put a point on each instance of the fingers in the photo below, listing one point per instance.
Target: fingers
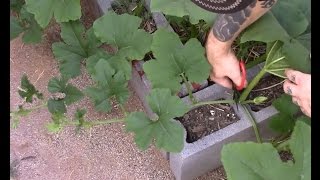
(225, 82)
(294, 76)
(290, 88)
(237, 80)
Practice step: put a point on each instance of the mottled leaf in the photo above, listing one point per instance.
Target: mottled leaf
(167, 132)
(27, 90)
(122, 31)
(166, 70)
(63, 11)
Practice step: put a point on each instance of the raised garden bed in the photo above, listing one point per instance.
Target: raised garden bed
(174, 64)
(202, 154)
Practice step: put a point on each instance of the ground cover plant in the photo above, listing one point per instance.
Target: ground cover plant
(174, 63)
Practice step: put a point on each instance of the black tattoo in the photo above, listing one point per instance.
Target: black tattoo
(267, 3)
(227, 25)
(289, 91)
(293, 79)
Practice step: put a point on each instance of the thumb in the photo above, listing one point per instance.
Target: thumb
(238, 79)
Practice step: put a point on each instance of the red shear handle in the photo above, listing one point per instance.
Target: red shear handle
(243, 76)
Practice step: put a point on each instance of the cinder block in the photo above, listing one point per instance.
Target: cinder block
(201, 156)
(204, 155)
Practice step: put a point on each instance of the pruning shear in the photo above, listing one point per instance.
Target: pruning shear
(237, 89)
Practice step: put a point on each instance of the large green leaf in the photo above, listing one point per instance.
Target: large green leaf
(56, 106)
(182, 8)
(298, 56)
(110, 84)
(33, 34)
(122, 31)
(305, 40)
(63, 11)
(253, 161)
(173, 60)
(296, 24)
(15, 28)
(72, 94)
(285, 120)
(16, 5)
(116, 62)
(27, 90)
(167, 132)
(74, 49)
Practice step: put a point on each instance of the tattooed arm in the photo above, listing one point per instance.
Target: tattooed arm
(225, 66)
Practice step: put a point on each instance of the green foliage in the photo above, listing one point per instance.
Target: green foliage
(56, 106)
(72, 94)
(15, 27)
(173, 59)
(252, 161)
(284, 121)
(27, 90)
(182, 8)
(167, 132)
(116, 62)
(109, 84)
(75, 48)
(24, 22)
(275, 26)
(276, 62)
(63, 11)
(122, 32)
(187, 30)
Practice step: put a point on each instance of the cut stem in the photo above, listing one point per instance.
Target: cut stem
(193, 100)
(251, 85)
(254, 124)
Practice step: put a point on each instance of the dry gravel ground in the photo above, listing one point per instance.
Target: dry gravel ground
(101, 153)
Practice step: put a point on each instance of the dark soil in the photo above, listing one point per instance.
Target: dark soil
(286, 156)
(186, 30)
(249, 51)
(207, 119)
(270, 87)
(147, 23)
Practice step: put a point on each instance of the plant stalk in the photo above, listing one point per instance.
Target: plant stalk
(251, 85)
(94, 123)
(123, 110)
(283, 145)
(254, 124)
(193, 100)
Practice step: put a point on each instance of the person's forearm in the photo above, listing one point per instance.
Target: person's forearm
(228, 26)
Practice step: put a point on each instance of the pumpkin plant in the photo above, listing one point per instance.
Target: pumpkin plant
(175, 64)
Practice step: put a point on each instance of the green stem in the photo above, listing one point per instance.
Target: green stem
(123, 110)
(228, 101)
(254, 124)
(38, 107)
(106, 121)
(251, 85)
(193, 100)
(93, 123)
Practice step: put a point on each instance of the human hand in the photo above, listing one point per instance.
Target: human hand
(225, 65)
(298, 85)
